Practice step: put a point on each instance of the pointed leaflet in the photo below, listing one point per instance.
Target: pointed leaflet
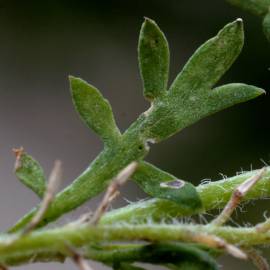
(154, 56)
(266, 25)
(160, 184)
(94, 110)
(30, 173)
(210, 61)
(229, 94)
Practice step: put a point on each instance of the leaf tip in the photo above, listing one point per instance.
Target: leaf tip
(256, 91)
(150, 26)
(72, 79)
(149, 21)
(239, 21)
(234, 28)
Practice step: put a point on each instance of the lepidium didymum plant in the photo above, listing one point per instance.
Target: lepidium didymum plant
(148, 231)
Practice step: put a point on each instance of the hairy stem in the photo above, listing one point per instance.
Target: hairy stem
(55, 240)
(214, 195)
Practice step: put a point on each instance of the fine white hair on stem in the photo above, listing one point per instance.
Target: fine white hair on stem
(238, 194)
(52, 186)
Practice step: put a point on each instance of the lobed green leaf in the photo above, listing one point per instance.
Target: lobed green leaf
(94, 110)
(163, 185)
(30, 173)
(154, 59)
(190, 97)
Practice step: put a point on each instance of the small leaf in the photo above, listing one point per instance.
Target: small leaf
(29, 172)
(266, 26)
(178, 255)
(160, 184)
(153, 59)
(230, 94)
(211, 60)
(94, 110)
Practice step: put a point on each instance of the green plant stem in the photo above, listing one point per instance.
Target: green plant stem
(95, 179)
(55, 240)
(107, 254)
(257, 7)
(214, 195)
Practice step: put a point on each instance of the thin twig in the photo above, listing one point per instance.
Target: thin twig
(53, 184)
(78, 259)
(257, 259)
(3, 267)
(216, 242)
(112, 191)
(239, 193)
(18, 153)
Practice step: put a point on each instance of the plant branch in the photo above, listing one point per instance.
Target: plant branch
(236, 198)
(170, 111)
(55, 240)
(214, 195)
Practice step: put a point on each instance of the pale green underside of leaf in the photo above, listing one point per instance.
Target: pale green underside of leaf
(154, 57)
(31, 174)
(149, 179)
(94, 110)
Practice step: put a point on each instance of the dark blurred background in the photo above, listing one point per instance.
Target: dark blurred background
(42, 42)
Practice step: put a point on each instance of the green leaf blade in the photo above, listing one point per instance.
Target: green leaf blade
(94, 110)
(154, 56)
(30, 173)
(230, 94)
(211, 60)
(160, 184)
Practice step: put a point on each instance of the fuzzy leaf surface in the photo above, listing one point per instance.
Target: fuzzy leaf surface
(30, 173)
(191, 96)
(163, 185)
(154, 57)
(210, 61)
(94, 110)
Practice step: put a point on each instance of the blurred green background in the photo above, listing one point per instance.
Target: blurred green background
(42, 42)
